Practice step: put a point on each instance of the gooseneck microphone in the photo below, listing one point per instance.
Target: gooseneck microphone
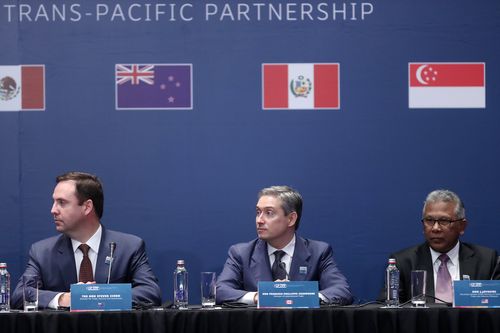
(497, 267)
(112, 247)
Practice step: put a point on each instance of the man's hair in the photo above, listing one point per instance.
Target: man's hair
(87, 186)
(446, 196)
(290, 198)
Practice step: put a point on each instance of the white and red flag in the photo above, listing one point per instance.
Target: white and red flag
(22, 87)
(301, 86)
(446, 85)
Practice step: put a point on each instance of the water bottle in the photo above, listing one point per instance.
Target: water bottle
(4, 288)
(180, 286)
(392, 284)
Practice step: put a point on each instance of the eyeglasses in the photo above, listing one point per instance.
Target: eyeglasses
(430, 222)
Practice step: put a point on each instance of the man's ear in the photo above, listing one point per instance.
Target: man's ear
(464, 226)
(292, 219)
(88, 206)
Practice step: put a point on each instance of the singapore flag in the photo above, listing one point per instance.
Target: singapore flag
(446, 85)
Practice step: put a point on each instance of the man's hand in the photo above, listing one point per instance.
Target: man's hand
(65, 300)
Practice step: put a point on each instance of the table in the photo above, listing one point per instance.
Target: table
(338, 319)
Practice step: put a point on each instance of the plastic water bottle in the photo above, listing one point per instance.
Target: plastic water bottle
(392, 284)
(180, 286)
(4, 288)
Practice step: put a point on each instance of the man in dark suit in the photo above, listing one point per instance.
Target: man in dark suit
(280, 254)
(79, 254)
(443, 256)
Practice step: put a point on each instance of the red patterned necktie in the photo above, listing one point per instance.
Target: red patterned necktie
(86, 274)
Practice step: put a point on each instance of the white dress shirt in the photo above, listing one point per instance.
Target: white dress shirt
(287, 257)
(93, 243)
(453, 264)
(249, 297)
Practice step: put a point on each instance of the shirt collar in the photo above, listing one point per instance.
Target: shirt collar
(93, 242)
(452, 254)
(288, 249)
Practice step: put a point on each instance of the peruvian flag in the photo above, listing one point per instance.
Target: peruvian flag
(300, 86)
(447, 85)
(22, 87)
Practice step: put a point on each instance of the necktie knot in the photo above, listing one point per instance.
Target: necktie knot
(85, 249)
(444, 258)
(278, 255)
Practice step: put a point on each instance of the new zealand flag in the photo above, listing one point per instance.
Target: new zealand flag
(153, 86)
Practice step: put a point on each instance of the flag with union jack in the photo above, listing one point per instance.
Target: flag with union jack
(153, 86)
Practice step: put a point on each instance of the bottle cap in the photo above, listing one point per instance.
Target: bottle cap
(3, 265)
(180, 262)
(392, 261)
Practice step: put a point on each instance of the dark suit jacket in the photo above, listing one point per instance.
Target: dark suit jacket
(477, 262)
(248, 263)
(53, 261)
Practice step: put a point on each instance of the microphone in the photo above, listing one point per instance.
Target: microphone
(112, 247)
(496, 268)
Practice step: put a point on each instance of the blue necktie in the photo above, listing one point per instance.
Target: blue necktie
(278, 269)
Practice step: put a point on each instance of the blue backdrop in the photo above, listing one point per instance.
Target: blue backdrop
(186, 180)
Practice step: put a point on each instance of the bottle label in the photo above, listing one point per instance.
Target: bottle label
(394, 285)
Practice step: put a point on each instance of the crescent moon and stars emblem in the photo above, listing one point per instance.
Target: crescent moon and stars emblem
(426, 74)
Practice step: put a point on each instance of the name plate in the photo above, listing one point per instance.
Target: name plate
(476, 294)
(289, 294)
(101, 297)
